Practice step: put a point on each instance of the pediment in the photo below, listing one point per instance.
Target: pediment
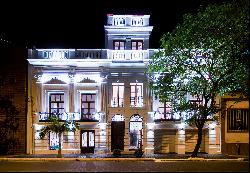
(55, 81)
(87, 80)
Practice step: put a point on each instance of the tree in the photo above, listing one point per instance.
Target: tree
(205, 56)
(58, 127)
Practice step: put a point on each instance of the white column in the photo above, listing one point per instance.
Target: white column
(180, 141)
(213, 140)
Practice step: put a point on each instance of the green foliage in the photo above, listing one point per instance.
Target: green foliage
(56, 126)
(205, 56)
(116, 153)
(138, 153)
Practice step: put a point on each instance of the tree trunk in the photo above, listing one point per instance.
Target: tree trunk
(60, 146)
(198, 144)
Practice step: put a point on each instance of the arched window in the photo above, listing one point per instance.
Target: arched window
(135, 131)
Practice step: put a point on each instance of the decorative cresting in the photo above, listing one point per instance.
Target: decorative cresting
(54, 78)
(88, 77)
(56, 54)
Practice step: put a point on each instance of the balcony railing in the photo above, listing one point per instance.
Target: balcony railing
(136, 101)
(159, 117)
(76, 116)
(128, 55)
(115, 55)
(117, 102)
(128, 20)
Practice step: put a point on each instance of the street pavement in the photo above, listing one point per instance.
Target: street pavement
(124, 166)
(109, 157)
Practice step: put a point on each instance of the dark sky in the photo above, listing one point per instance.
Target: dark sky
(74, 24)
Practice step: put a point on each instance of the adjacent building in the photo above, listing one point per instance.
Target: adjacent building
(13, 108)
(106, 91)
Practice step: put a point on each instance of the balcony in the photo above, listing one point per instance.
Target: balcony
(127, 20)
(72, 116)
(162, 117)
(114, 55)
(117, 102)
(136, 101)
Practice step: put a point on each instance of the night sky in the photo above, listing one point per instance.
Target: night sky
(73, 24)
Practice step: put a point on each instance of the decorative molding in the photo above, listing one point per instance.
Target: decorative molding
(55, 81)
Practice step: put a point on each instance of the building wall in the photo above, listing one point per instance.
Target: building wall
(233, 142)
(13, 73)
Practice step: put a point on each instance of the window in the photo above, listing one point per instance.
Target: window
(87, 105)
(136, 94)
(53, 141)
(237, 120)
(137, 45)
(119, 45)
(56, 103)
(165, 110)
(117, 95)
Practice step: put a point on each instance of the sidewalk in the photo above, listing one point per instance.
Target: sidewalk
(146, 157)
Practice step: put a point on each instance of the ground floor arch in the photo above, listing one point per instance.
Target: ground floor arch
(117, 132)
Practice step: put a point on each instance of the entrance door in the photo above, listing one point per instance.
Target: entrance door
(117, 135)
(87, 141)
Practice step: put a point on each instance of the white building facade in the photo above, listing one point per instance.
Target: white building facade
(106, 91)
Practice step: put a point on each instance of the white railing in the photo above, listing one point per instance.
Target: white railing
(128, 20)
(59, 54)
(121, 55)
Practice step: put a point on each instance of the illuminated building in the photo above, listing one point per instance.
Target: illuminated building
(106, 91)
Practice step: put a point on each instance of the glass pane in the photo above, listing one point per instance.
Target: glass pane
(134, 45)
(53, 105)
(85, 111)
(84, 139)
(121, 45)
(93, 97)
(92, 111)
(88, 97)
(139, 90)
(52, 97)
(57, 97)
(61, 110)
(139, 45)
(53, 141)
(132, 89)
(83, 97)
(61, 105)
(62, 97)
(53, 110)
(92, 105)
(91, 139)
(84, 105)
(133, 138)
(121, 91)
(115, 91)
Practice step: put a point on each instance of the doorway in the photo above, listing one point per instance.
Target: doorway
(117, 132)
(87, 141)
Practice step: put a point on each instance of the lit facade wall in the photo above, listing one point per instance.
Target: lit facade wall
(106, 91)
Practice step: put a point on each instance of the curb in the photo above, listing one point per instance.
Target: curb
(199, 159)
(77, 159)
(118, 159)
